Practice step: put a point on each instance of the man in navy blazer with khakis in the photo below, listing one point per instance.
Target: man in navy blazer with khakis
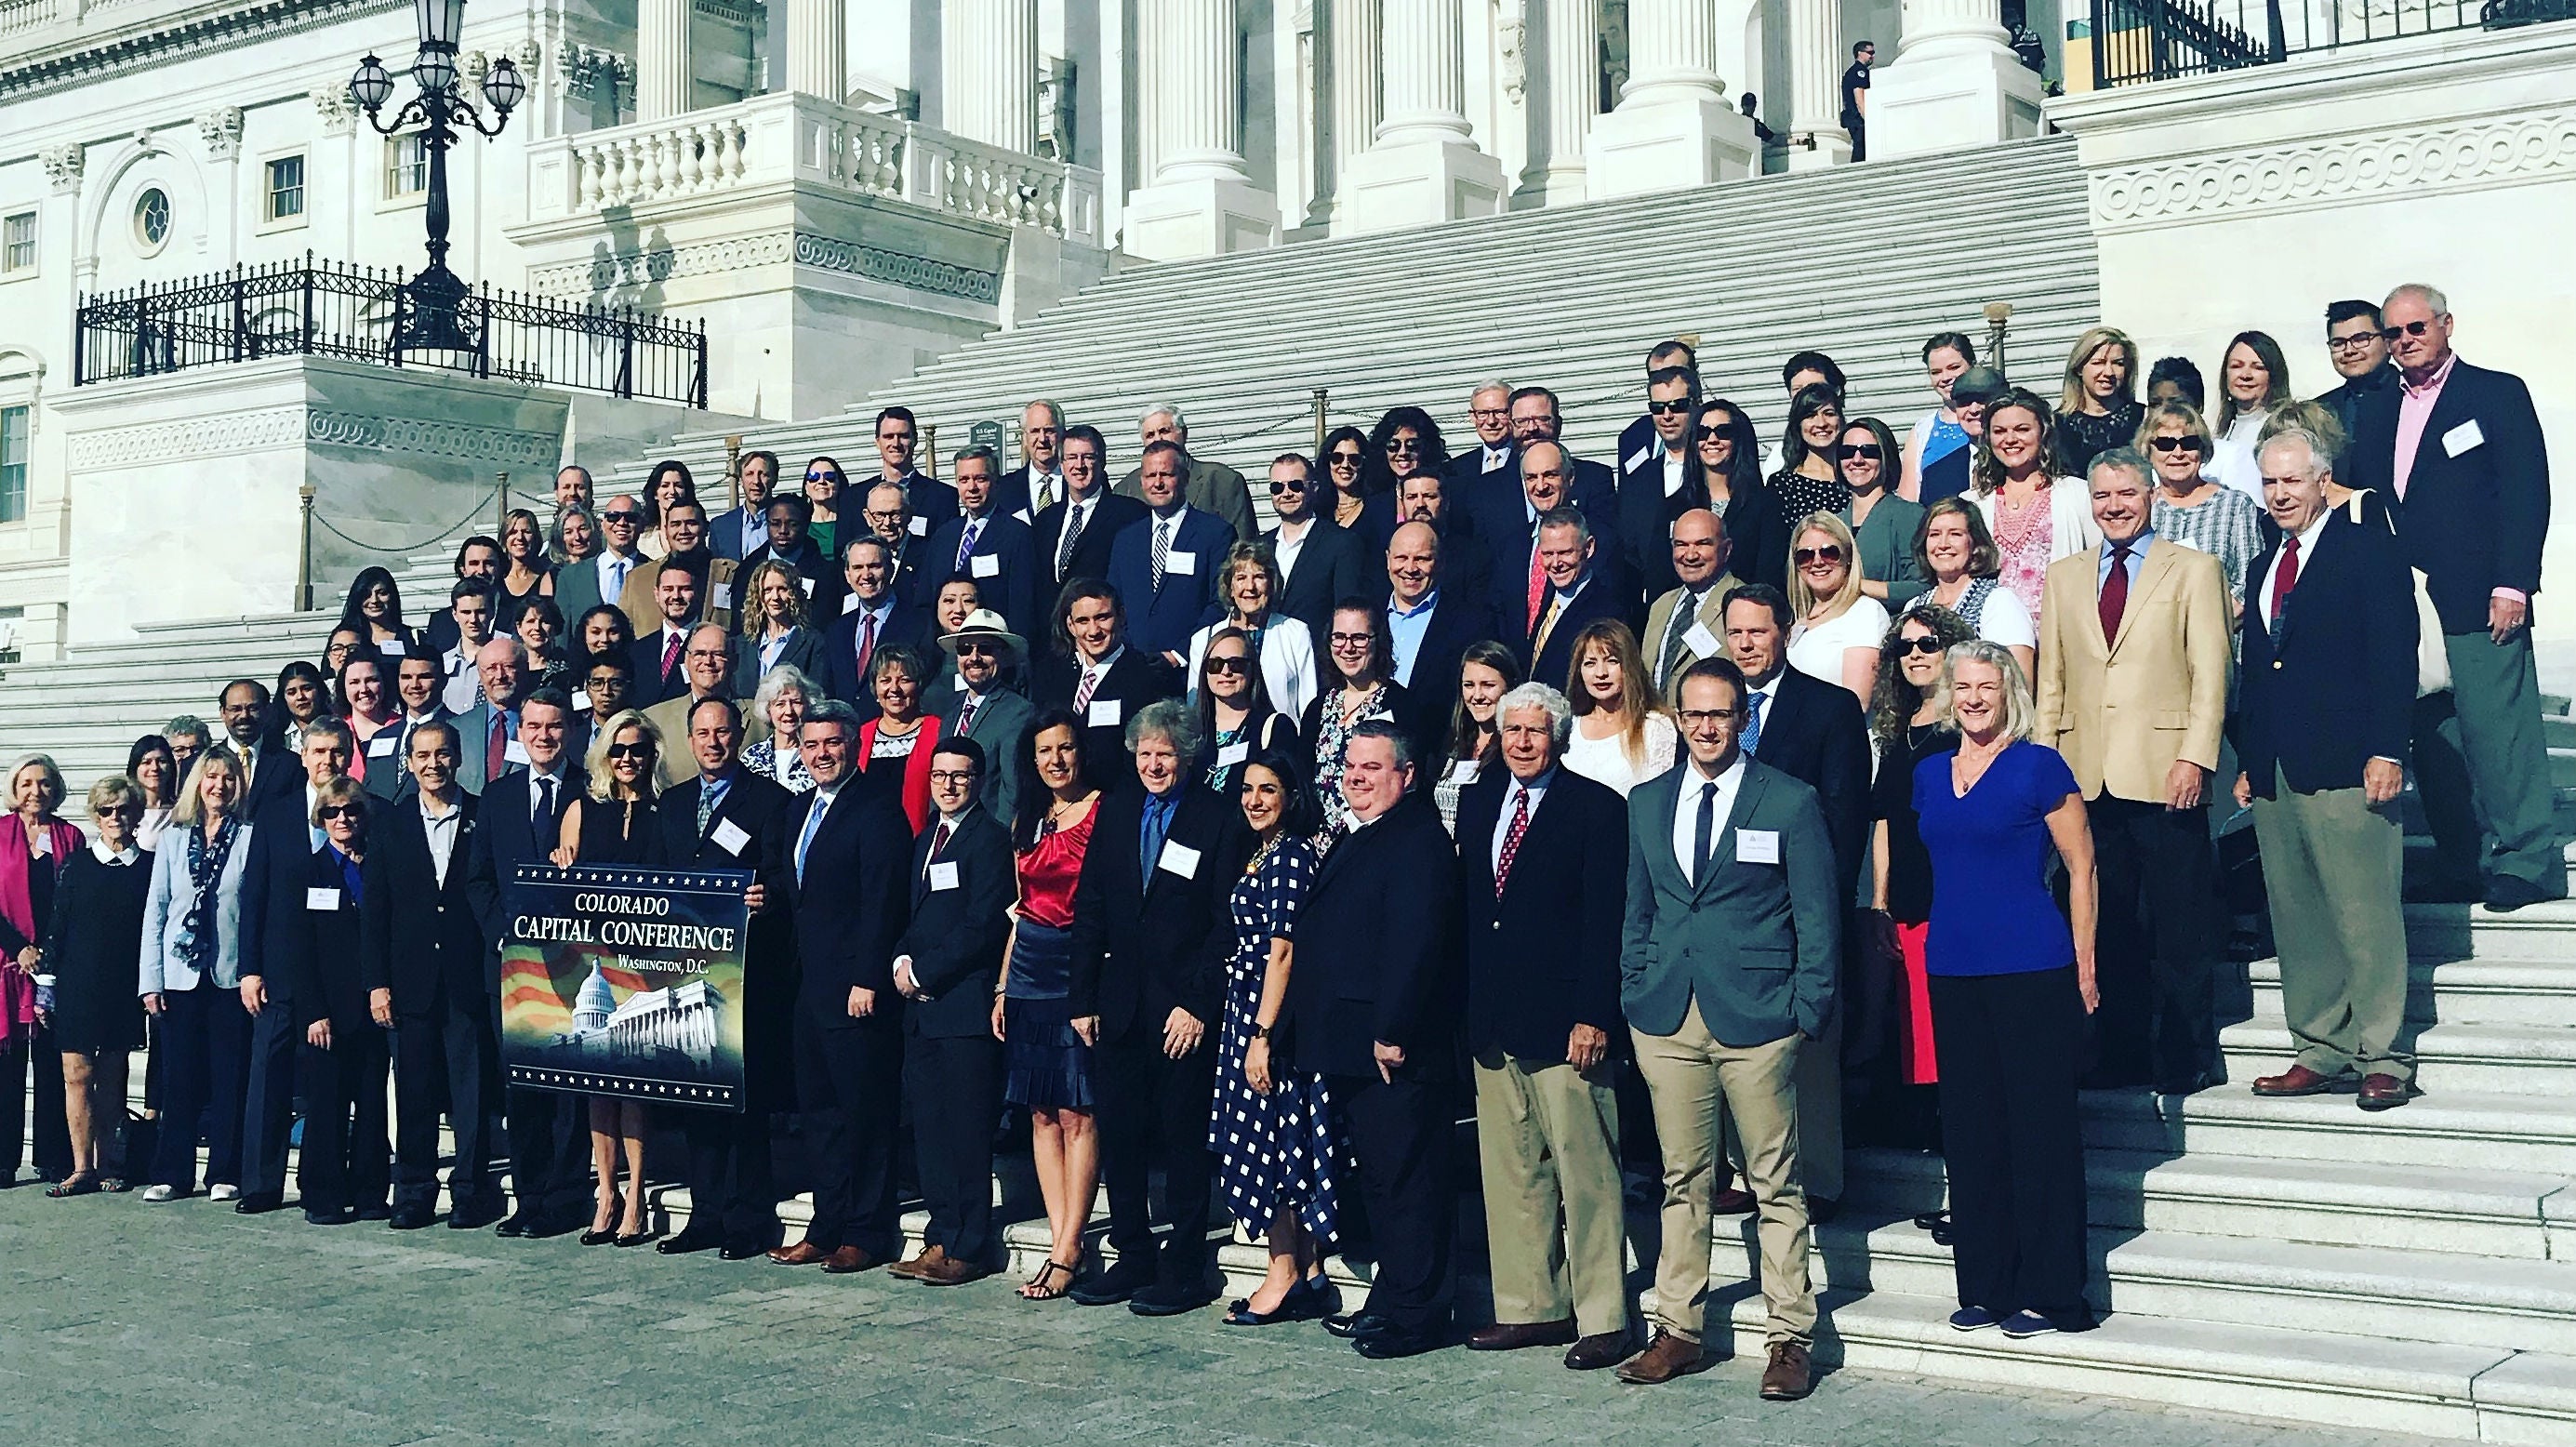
(1541, 855)
(1729, 959)
(2456, 454)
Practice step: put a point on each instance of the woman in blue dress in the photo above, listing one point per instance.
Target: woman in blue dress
(1277, 1137)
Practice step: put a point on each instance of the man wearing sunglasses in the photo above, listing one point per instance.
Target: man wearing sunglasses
(2456, 452)
(1641, 440)
(987, 710)
(2360, 356)
(1319, 560)
(1658, 482)
(582, 586)
(1209, 487)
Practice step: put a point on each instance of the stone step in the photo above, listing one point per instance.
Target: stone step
(2461, 991)
(2544, 932)
(2536, 1060)
(2496, 1214)
(2469, 1130)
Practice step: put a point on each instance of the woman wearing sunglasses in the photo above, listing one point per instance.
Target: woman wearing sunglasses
(1236, 713)
(345, 1055)
(1838, 629)
(1411, 444)
(823, 483)
(612, 823)
(1882, 523)
(1956, 552)
(2190, 507)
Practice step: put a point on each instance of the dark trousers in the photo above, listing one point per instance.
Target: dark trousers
(204, 1044)
(547, 1133)
(347, 1160)
(955, 1086)
(268, 1103)
(2008, 1048)
(1400, 1133)
(731, 1186)
(452, 1043)
(2159, 934)
(38, 1054)
(1153, 1110)
(847, 1079)
(1859, 129)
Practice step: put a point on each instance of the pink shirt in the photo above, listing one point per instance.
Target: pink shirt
(2415, 404)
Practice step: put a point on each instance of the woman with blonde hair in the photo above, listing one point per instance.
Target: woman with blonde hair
(2036, 515)
(1959, 556)
(776, 629)
(611, 822)
(2097, 409)
(35, 844)
(1839, 626)
(1248, 589)
(527, 573)
(2190, 507)
(191, 980)
(1623, 735)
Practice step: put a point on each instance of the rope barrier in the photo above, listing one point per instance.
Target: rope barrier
(479, 511)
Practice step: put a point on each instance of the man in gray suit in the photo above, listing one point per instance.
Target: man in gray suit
(1211, 487)
(1728, 963)
(994, 716)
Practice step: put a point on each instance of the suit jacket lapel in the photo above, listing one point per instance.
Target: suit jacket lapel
(2157, 562)
(1748, 794)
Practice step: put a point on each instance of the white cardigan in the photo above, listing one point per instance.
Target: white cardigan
(1287, 663)
(2070, 515)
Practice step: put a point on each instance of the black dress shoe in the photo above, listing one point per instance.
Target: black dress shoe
(472, 1217)
(375, 1211)
(1112, 1286)
(520, 1224)
(1165, 1299)
(328, 1216)
(740, 1250)
(1821, 1210)
(2506, 893)
(1394, 1341)
(260, 1203)
(689, 1241)
(1352, 1325)
(411, 1218)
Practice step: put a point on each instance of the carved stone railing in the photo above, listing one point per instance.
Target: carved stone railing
(22, 15)
(772, 139)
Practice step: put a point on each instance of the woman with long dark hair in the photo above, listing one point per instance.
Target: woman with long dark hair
(1729, 461)
(374, 608)
(1411, 443)
(668, 483)
(1356, 469)
(824, 483)
(1486, 671)
(1806, 482)
(302, 695)
(1236, 715)
(2036, 514)
(155, 771)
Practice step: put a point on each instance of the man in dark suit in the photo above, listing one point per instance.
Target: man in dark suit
(847, 863)
(1086, 509)
(1165, 566)
(1102, 680)
(1579, 590)
(786, 542)
(873, 616)
(1466, 563)
(282, 840)
(1589, 485)
(418, 684)
(2456, 453)
(1320, 562)
(744, 530)
(726, 817)
(948, 967)
(422, 956)
(1493, 464)
(517, 822)
(1813, 732)
(1373, 1008)
(1151, 933)
(2324, 695)
(906, 535)
(986, 710)
(1429, 623)
(243, 706)
(1643, 438)
(661, 655)
(2359, 355)
(1038, 483)
(986, 544)
(898, 438)
(477, 557)
(1541, 851)
(1730, 957)
(1659, 482)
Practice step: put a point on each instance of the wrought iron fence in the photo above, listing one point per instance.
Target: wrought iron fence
(330, 309)
(2146, 40)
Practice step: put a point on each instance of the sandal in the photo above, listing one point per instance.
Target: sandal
(115, 1185)
(79, 1183)
(1036, 1288)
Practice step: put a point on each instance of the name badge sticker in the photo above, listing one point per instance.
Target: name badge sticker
(985, 565)
(1178, 858)
(1702, 642)
(322, 899)
(1757, 846)
(514, 752)
(1107, 713)
(382, 745)
(720, 596)
(729, 837)
(943, 875)
(919, 527)
(1232, 754)
(2462, 438)
(1185, 564)
(581, 700)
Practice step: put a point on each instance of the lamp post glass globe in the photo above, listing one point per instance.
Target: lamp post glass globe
(435, 69)
(371, 86)
(442, 22)
(504, 87)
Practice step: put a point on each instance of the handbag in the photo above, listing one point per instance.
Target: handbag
(2432, 660)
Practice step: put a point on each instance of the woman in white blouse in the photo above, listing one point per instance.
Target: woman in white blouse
(1622, 736)
(1287, 649)
(2034, 515)
(2253, 379)
(1958, 555)
(1838, 629)
(783, 695)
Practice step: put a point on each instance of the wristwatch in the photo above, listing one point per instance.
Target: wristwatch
(1260, 1031)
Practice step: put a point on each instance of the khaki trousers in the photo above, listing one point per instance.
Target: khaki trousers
(2331, 865)
(1548, 1138)
(1691, 1078)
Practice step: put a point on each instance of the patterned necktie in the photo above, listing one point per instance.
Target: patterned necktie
(1685, 608)
(671, 655)
(1082, 690)
(1074, 516)
(1512, 840)
(2115, 592)
(938, 843)
(966, 716)
(1537, 579)
(1752, 721)
(706, 807)
(966, 542)
(1162, 549)
(2284, 578)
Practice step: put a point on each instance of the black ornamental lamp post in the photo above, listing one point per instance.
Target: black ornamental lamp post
(434, 319)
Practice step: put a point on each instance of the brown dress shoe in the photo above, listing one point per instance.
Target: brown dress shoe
(1604, 1349)
(912, 1269)
(2300, 1080)
(949, 1271)
(803, 1253)
(848, 1261)
(1511, 1336)
(1664, 1358)
(1786, 1379)
(2385, 1092)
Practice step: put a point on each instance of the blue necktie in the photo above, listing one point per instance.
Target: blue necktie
(805, 838)
(1158, 822)
(1752, 721)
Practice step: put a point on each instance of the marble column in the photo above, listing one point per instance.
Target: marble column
(1201, 200)
(1955, 83)
(663, 78)
(988, 71)
(1673, 126)
(1569, 90)
(1816, 60)
(818, 47)
(1352, 33)
(1424, 167)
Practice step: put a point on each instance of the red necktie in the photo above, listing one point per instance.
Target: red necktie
(1082, 690)
(938, 842)
(671, 655)
(2285, 577)
(1537, 582)
(2115, 592)
(1512, 841)
(867, 642)
(496, 748)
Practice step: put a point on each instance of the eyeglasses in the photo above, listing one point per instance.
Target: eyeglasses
(2352, 342)
(1489, 414)
(338, 811)
(1351, 640)
(952, 776)
(1829, 553)
(1279, 485)
(1693, 717)
(2175, 444)
(1864, 452)
(2410, 329)
(1237, 663)
(630, 751)
(1673, 408)
(1925, 644)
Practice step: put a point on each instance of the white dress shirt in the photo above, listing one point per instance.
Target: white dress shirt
(1536, 790)
(612, 575)
(1290, 542)
(2307, 554)
(1686, 812)
(1673, 474)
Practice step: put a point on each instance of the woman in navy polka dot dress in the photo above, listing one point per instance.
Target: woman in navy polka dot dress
(1276, 1134)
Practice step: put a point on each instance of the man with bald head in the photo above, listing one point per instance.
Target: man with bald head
(709, 661)
(1688, 623)
(1431, 626)
(1209, 487)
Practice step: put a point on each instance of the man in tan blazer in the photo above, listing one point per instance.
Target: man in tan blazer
(684, 526)
(2135, 649)
(1689, 623)
(709, 661)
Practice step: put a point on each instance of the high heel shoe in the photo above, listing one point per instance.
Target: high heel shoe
(603, 1236)
(639, 1238)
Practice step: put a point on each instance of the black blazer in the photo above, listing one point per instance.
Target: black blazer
(1600, 598)
(1457, 621)
(273, 880)
(2472, 519)
(652, 685)
(2333, 684)
(1012, 589)
(1011, 496)
(849, 907)
(1645, 540)
(956, 934)
(1144, 945)
(1111, 514)
(417, 937)
(508, 835)
(1135, 680)
(805, 652)
(906, 623)
(1813, 732)
(1377, 947)
(1331, 566)
(760, 808)
(317, 950)
(1544, 957)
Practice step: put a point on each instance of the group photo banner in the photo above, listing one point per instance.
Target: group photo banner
(618, 981)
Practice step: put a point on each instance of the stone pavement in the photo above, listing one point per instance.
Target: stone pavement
(185, 1323)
